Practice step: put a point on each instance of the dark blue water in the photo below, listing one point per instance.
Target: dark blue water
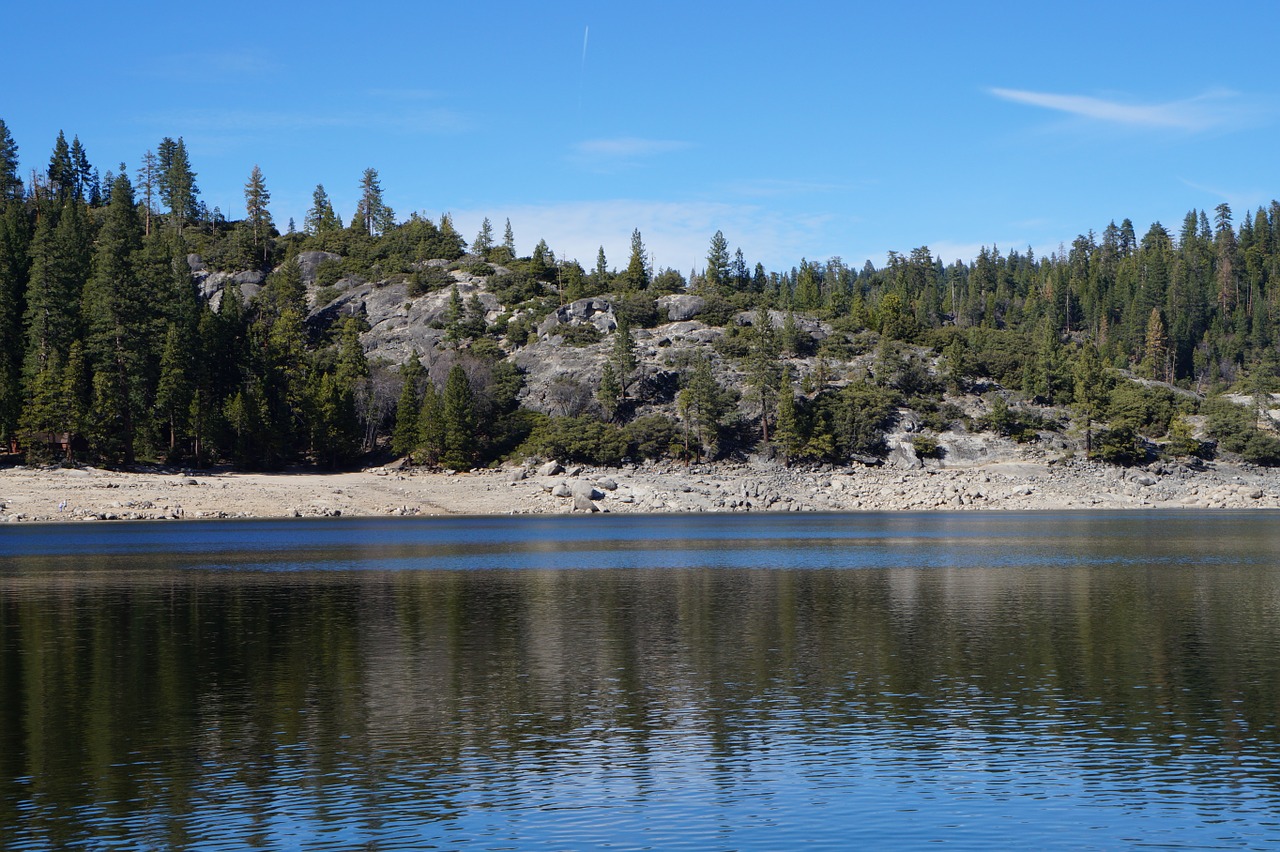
(750, 682)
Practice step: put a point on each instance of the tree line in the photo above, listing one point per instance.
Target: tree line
(108, 351)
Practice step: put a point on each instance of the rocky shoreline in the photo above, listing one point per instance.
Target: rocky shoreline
(1029, 481)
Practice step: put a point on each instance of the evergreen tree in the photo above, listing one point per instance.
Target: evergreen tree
(374, 216)
(406, 436)
(321, 218)
(638, 272)
(458, 419)
(258, 217)
(609, 393)
(431, 424)
(10, 178)
(787, 435)
(763, 375)
(177, 182)
(703, 404)
(174, 389)
(62, 171)
(624, 354)
(81, 171)
(509, 241)
(483, 243)
(147, 177)
(716, 275)
(119, 329)
(14, 264)
(1091, 392)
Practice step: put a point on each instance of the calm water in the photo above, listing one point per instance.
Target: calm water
(831, 681)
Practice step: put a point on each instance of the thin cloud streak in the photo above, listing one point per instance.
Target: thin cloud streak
(627, 147)
(258, 122)
(1204, 112)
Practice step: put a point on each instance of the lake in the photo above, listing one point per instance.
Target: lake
(1053, 680)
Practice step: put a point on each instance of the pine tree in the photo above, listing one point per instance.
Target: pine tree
(716, 275)
(1090, 391)
(509, 241)
(258, 217)
(483, 243)
(10, 179)
(81, 171)
(147, 177)
(14, 264)
(406, 435)
(62, 171)
(609, 392)
(786, 435)
(638, 273)
(118, 329)
(454, 312)
(624, 354)
(431, 424)
(321, 218)
(177, 182)
(174, 390)
(374, 216)
(458, 419)
(762, 366)
(1156, 348)
(702, 404)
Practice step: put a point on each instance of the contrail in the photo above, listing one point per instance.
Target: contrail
(586, 32)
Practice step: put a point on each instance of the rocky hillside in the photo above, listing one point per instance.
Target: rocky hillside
(938, 418)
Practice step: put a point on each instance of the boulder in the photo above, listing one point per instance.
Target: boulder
(309, 263)
(680, 307)
(584, 504)
(582, 488)
(551, 468)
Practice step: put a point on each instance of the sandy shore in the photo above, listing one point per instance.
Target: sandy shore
(44, 495)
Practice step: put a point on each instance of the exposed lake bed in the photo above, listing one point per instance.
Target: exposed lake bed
(1063, 680)
(1026, 481)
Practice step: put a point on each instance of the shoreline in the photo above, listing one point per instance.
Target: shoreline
(1028, 483)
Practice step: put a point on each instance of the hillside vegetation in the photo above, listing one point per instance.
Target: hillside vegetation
(137, 325)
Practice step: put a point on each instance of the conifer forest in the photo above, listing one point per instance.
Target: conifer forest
(1129, 342)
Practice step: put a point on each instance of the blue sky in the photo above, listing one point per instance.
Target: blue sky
(799, 130)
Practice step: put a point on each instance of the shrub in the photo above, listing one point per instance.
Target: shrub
(1121, 445)
(926, 447)
(638, 309)
(579, 335)
(427, 280)
(651, 436)
(576, 439)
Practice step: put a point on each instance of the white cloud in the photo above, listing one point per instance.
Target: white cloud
(621, 152)
(226, 128)
(676, 234)
(1238, 200)
(775, 187)
(1210, 110)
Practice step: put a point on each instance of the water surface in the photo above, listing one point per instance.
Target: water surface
(746, 682)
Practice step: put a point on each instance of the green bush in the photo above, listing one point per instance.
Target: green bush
(576, 439)
(1121, 445)
(638, 309)
(579, 335)
(651, 436)
(428, 280)
(926, 447)
(1143, 409)
(1261, 449)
